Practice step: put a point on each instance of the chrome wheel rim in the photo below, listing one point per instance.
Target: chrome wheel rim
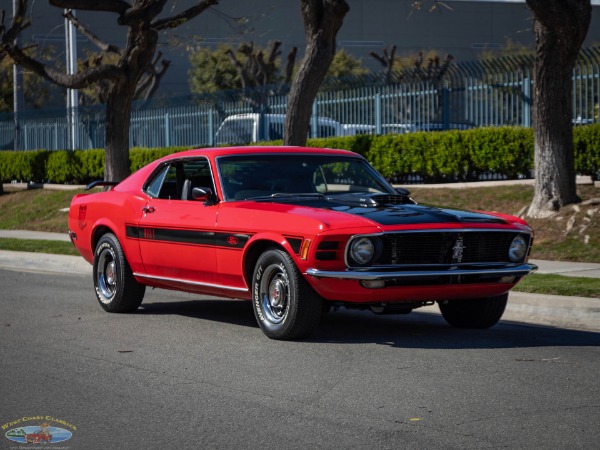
(275, 294)
(106, 274)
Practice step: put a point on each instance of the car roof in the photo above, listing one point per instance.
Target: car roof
(255, 150)
(133, 181)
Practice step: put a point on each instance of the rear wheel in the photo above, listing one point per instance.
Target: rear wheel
(285, 306)
(476, 313)
(116, 288)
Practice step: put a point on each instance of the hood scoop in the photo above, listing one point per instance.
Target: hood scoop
(366, 200)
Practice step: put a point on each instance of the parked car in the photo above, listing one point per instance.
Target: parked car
(254, 127)
(397, 128)
(296, 231)
(354, 129)
(440, 126)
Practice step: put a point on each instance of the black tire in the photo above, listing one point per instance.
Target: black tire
(477, 313)
(116, 289)
(285, 306)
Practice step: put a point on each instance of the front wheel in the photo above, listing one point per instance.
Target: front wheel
(285, 306)
(116, 288)
(476, 313)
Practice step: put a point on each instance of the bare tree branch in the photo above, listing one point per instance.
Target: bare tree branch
(142, 12)
(152, 81)
(188, 14)
(291, 61)
(79, 80)
(116, 6)
(387, 61)
(109, 48)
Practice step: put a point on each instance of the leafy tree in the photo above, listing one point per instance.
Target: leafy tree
(509, 49)
(322, 21)
(256, 71)
(560, 27)
(424, 66)
(260, 72)
(212, 70)
(345, 65)
(141, 18)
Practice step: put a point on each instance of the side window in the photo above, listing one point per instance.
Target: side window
(198, 173)
(171, 186)
(176, 181)
(153, 188)
(276, 131)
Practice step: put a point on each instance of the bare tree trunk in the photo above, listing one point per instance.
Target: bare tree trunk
(120, 99)
(118, 112)
(560, 28)
(322, 21)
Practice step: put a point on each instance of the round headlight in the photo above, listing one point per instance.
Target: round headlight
(362, 250)
(518, 249)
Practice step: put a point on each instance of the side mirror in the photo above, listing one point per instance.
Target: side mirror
(403, 191)
(202, 194)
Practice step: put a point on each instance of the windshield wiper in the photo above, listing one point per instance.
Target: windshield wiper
(283, 195)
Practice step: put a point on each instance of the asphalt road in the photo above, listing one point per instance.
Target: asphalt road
(189, 373)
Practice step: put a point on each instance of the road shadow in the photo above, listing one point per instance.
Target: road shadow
(415, 330)
(430, 331)
(236, 312)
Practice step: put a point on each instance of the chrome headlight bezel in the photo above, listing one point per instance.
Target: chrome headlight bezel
(517, 251)
(363, 250)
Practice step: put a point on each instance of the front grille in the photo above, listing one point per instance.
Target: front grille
(446, 247)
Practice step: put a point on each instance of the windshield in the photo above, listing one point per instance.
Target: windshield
(251, 176)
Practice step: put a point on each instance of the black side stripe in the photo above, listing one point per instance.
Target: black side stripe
(208, 238)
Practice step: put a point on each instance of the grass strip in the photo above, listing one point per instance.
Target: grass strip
(38, 246)
(560, 285)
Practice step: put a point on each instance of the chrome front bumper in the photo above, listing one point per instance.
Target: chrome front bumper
(516, 270)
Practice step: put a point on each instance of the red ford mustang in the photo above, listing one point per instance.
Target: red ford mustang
(297, 231)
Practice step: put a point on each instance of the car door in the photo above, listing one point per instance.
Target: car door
(176, 232)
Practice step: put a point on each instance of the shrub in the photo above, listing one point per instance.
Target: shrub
(586, 141)
(23, 166)
(91, 165)
(62, 167)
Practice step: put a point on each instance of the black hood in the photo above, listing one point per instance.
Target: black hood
(384, 209)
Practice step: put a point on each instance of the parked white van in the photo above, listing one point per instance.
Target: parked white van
(247, 128)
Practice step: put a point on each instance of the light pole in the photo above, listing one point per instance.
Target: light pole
(18, 97)
(72, 94)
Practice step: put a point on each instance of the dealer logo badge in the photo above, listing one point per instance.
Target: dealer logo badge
(42, 432)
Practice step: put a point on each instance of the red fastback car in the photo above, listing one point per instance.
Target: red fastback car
(297, 231)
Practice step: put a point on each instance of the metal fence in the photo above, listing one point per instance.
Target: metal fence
(467, 95)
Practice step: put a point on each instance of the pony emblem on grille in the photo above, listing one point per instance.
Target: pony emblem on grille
(457, 250)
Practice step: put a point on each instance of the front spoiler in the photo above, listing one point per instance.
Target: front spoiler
(507, 270)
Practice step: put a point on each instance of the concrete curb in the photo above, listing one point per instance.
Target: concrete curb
(35, 235)
(553, 310)
(44, 262)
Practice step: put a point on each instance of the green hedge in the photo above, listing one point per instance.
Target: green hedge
(434, 156)
(69, 167)
(586, 140)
